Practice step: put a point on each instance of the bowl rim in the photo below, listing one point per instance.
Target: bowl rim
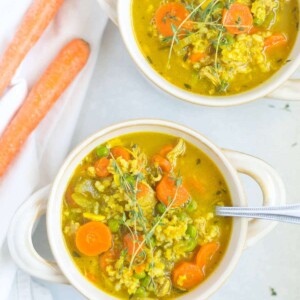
(53, 214)
(260, 91)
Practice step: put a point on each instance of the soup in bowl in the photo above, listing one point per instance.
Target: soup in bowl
(215, 47)
(139, 218)
(213, 52)
(131, 214)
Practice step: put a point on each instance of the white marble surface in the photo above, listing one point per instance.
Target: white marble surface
(267, 129)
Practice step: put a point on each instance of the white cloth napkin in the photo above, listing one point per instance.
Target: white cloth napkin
(46, 148)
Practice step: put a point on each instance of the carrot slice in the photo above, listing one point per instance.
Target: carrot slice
(162, 162)
(171, 15)
(132, 243)
(165, 150)
(108, 258)
(42, 97)
(275, 40)
(120, 152)
(93, 238)
(140, 268)
(205, 254)
(187, 275)
(142, 190)
(237, 19)
(34, 23)
(166, 192)
(195, 57)
(101, 167)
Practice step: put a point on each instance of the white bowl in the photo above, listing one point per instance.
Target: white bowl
(228, 162)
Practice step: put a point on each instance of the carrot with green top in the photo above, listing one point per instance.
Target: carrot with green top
(277, 39)
(170, 16)
(59, 75)
(237, 19)
(169, 190)
(93, 238)
(186, 276)
(205, 254)
(34, 23)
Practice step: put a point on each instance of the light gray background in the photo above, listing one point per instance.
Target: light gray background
(265, 128)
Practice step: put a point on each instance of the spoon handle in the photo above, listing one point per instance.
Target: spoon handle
(287, 213)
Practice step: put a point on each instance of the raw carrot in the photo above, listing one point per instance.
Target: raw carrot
(171, 15)
(195, 57)
(43, 95)
(165, 150)
(101, 167)
(237, 19)
(142, 190)
(275, 40)
(93, 238)
(162, 162)
(34, 23)
(132, 243)
(205, 254)
(167, 190)
(108, 258)
(187, 275)
(120, 152)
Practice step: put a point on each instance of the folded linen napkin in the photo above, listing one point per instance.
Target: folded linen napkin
(46, 148)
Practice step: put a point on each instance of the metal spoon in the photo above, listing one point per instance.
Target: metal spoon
(286, 213)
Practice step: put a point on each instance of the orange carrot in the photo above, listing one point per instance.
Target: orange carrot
(167, 190)
(93, 238)
(162, 162)
(140, 268)
(101, 167)
(108, 258)
(132, 243)
(205, 254)
(237, 19)
(165, 150)
(275, 40)
(142, 190)
(195, 57)
(120, 152)
(254, 30)
(171, 15)
(34, 23)
(187, 275)
(43, 95)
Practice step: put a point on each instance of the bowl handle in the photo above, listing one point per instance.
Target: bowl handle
(20, 244)
(110, 8)
(290, 90)
(270, 183)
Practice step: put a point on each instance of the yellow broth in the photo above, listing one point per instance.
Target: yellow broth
(242, 61)
(171, 242)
